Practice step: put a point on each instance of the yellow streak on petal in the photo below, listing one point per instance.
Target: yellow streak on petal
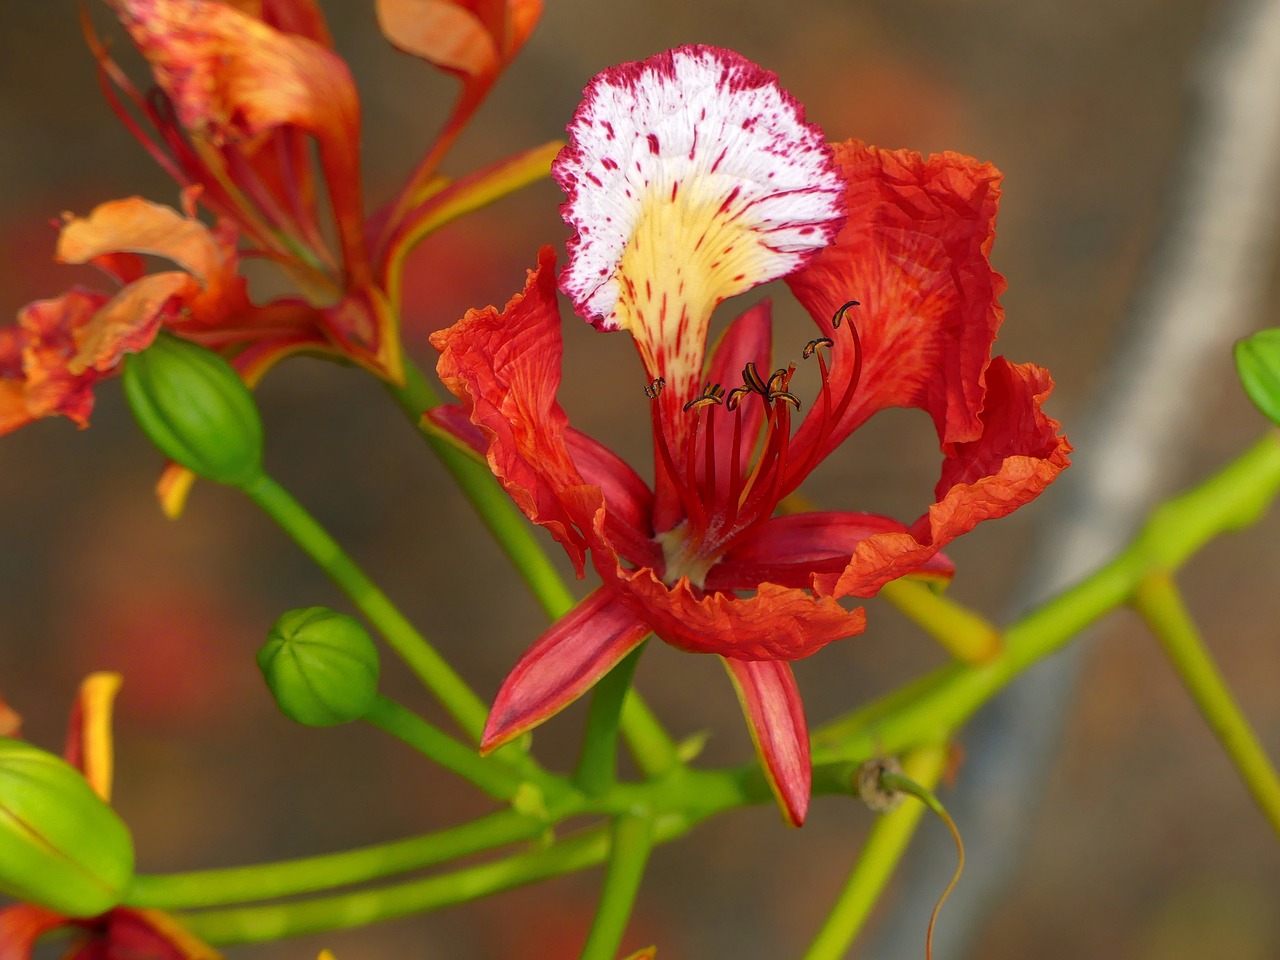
(685, 256)
(97, 693)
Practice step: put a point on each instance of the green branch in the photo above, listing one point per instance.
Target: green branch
(363, 907)
(879, 858)
(628, 853)
(431, 668)
(264, 881)
(1160, 604)
(929, 709)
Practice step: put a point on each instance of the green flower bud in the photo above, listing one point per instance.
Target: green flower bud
(321, 666)
(196, 409)
(61, 846)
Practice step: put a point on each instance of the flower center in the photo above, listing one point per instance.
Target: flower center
(728, 479)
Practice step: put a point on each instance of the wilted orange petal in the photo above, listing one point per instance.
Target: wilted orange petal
(443, 32)
(140, 226)
(127, 323)
(49, 330)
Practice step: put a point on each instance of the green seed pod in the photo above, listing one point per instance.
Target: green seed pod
(321, 666)
(61, 846)
(196, 409)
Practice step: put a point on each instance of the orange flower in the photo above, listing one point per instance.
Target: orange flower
(474, 40)
(244, 92)
(62, 347)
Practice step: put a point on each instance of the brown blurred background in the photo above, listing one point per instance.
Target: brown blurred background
(1146, 845)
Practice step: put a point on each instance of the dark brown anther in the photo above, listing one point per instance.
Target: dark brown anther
(779, 380)
(839, 315)
(711, 394)
(812, 346)
(787, 396)
(751, 377)
(735, 397)
(655, 388)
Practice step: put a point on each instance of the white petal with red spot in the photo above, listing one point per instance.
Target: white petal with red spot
(696, 150)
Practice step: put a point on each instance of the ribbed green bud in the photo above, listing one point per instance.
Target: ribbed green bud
(61, 846)
(196, 409)
(321, 666)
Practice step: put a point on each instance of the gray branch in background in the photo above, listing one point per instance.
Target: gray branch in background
(1204, 288)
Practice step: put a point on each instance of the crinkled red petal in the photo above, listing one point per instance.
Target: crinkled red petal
(575, 652)
(775, 715)
(789, 550)
(1019, 453)
(914, 252)
(505, 368)
(777, 623)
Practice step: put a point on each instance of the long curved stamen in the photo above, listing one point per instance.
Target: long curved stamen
(831, 412)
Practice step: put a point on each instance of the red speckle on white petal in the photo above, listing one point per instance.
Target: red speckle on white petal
(721, 128)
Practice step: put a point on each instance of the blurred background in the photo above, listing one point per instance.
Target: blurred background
(1145, 845)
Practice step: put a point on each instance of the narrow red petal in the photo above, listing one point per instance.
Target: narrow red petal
(775, 715)
(580, 648)
(915, 252)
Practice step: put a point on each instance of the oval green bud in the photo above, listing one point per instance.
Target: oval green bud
(61, 846)
(196, 409)
(321, 666)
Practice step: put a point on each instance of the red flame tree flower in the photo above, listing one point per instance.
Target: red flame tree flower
(692, 177)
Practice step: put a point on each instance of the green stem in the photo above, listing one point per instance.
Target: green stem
(431, 668)
(964, 634)
(597, 765)
(628, 854)
(884, 848)
(263, 881)
(493, 777)
(1160, 604)
(497, 512)
(360, 908)
(653, 748)
(930, 708)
